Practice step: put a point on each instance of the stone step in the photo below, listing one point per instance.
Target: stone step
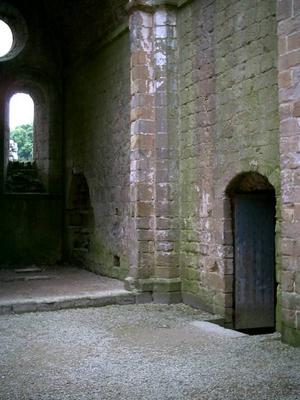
(54, 303)
(27, 270)
(26, 278)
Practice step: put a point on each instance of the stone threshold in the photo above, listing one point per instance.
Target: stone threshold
(54, 303)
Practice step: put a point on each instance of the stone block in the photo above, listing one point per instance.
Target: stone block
(165, 246)
(284, 9)
(296, 109)
(297, 280)
(296, 7)
(228, 266)
(144, 285)
(215, 281)
(298, 320)
(288, 281)
(145, 222)
(166, 259)
(293, 41)
(139, 58)
(166, 285)
(289, 263)
(191, 274)
(145, 209)
(290, 301)
(289, 60)
(290, 336)
(167, 298)
(5, 309)
(146, 234)
(46, 306)
(190, 286)
(141, 113)
(125, 299)
(130, 284)
(285, 111)
(167, 235)
(282, 45)
(144, 298)
(297, 211)
(288, 317)
(197, 301)
(146, 261)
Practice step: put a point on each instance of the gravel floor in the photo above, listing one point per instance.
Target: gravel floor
(139, 352)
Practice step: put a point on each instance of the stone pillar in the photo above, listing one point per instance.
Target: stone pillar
(288, 15)
(167, 282)
(154, 263)
(142, 147)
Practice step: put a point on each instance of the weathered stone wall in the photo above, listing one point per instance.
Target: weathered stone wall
(288, 14)
(197, 120)
(97, 146)
(82, 25)
(229, 124)
(31, 223)
(31, 229)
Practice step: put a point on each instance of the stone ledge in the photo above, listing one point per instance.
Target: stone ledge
(106, 298)
(161, 285)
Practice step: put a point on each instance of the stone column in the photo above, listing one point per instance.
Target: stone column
(142, 148)
(288, 15)
(167, 282)
(153, 176)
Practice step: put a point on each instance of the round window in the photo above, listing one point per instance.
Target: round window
(13, 32)
(6, 38)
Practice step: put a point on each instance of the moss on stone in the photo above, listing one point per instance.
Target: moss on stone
(290, 335)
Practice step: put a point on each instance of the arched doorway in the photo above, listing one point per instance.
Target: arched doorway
(80, 220)
(253, 221)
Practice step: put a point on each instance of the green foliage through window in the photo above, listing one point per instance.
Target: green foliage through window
(23, 136)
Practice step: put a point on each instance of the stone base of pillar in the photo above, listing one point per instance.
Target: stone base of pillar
(167, 297)
(158, 290)
(290, 335)
(196, 302)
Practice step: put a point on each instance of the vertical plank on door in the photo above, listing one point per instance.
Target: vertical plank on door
(254, 241)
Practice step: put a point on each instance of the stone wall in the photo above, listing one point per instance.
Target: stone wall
(97, 146)
(31, 223)
(81, 26)
(288, 14)
(31, 227)
(197, 121)
(229, 125)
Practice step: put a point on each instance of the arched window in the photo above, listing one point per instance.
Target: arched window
(26, 139)
(21, 127)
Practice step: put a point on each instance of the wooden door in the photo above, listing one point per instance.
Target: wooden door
(254, 243)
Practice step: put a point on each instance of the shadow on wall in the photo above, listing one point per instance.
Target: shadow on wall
(79, 221)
